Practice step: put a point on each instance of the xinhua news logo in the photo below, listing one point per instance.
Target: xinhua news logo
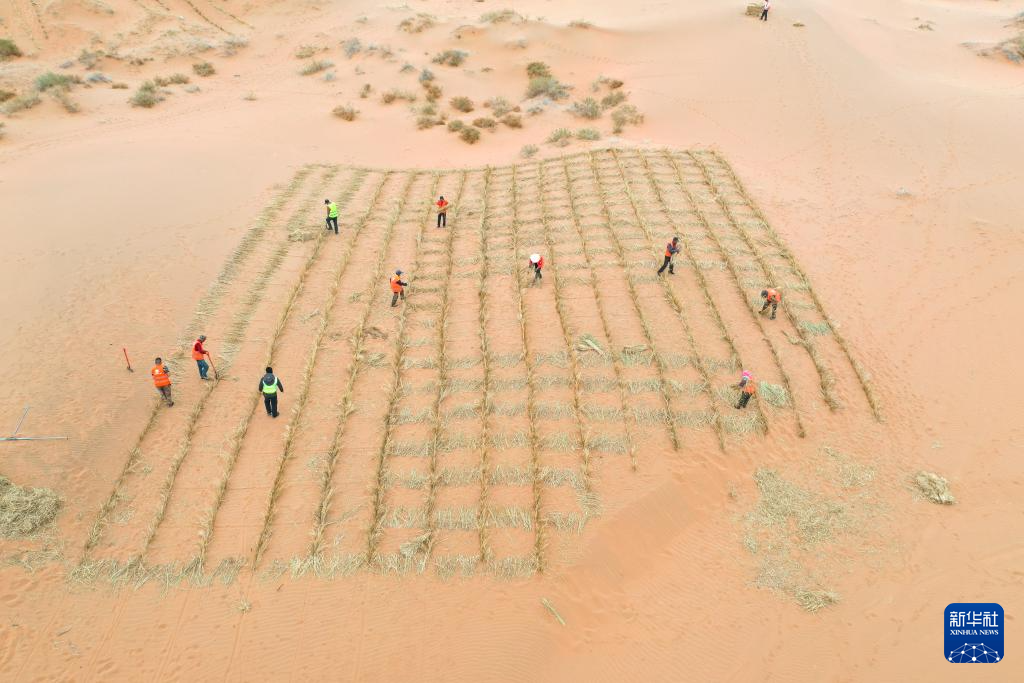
(974, 633)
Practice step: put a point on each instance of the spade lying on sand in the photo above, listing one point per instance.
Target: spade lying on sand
(23, 511)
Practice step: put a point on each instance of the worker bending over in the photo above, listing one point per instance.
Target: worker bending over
(747, 388)
(269, 386)
(771, 298)
(671, 249)
(537, 263)
(397, 288)
(162, 380)
(199, 354)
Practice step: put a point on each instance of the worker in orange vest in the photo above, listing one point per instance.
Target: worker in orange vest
(442, 212)
(747, 388)
(671, 249)
(771, 298)
(397, 288)
(162, 381)
(537, 263)
(199, 354)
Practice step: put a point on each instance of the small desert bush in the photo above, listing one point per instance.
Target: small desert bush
(89, 59)
(500, 17)
(365, 91)
(8, 49)
(538, 70)
(203, 69)
(613, 99)
(232, 44)
(587, 108)
(463, 104)
(560, 137)
(588, 134)
(485, 122)
(580, 23)
(51, 80)
(345, 112)
(417, 24)
(406, 68)
(146, 96)
(21, 103)
(2, 131)
(395, 94)
(528, 151)
(499, 105)
(119, 86)
(455, 125)
(173, 79)
(6, 95)
(352, 47)
(62, 96)
(306, 51)
(315, 66)
(433, 92)
(512, 120)
(625, 115)
(426, 75)
(469, 134)
(547, 86)
(424, 121)
(450, 58)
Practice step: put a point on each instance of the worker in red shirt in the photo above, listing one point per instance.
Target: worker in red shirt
(397, 288)
(199, 355)
(537, 263)
(771, 298)
(442, 212)
(162, 380)
(671, 249)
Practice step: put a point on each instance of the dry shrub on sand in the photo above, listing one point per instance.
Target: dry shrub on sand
(501, 17)
(625, 115)
(345, 112)
(24, 511)
(528, 151)
(455, 125)
(934, 488)
(538, 70)
(461, 103)
(587, 108)
(485, 122)
(203, 69)
(418, 23)
(450, 58)
(21, 103)
(512, 120)
(469, 134)
(548, 87)
(315, 66)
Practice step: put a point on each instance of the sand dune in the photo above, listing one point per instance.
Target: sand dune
(866, 147)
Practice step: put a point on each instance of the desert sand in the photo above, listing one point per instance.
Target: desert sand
(862, 145)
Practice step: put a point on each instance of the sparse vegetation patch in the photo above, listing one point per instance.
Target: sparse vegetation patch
(450, 58)
(345, 112)
(315, 66)
(8, 49)
(461, 103)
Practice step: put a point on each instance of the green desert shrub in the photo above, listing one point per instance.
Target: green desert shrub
(8, 49)
(613, 99)
(417, 24)
(499, 105)
(485, 122)
(426, 75)
(538, 70)
(528, 151)
(455, 125)
(469, 134)
(394, 94)
(147, 96)
(21, 103)
(587, 108)
(500, 17)
(173, 79)
(306, 51)
(203, 69)
(588, 134)
(547, 86)
(51, 80)
(560, 137)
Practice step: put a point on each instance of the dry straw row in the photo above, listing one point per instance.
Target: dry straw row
(673, 301)
(315, 558)
(826, 379)
(376, 530)
(204, 310)
(862, 374)
(660, 364)
(730, 263)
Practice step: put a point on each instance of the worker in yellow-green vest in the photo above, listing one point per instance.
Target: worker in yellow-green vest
(332, 215)
(270, 384)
